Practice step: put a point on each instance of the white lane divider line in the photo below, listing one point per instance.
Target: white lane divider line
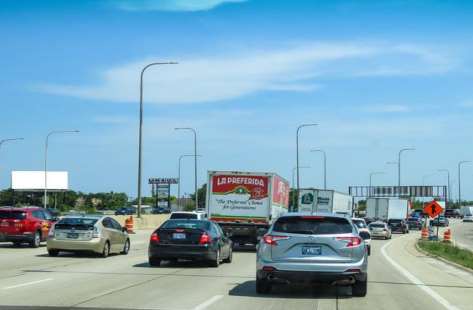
(26, 284)
(417, 281)
(208, 302)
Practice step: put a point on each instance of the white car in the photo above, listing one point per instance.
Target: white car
(361, 226)
(191, 215)
(468, 218)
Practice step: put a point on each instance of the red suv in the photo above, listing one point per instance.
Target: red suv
(25, 225)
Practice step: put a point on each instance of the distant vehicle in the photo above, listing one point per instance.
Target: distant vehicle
(415, 222)
(467, 213)
(417, 213)
(312, 249)
(314, 200)
(55, 213)
(453, 213)
(160, 210)
(25, 225)
(387, 208)
(191, 240)
(398, 225)
(192, 215)
(245, 204)
(468, 218)
(441, 220)
(362, 227)
(125, 211)
(380, 230)
(98, 234)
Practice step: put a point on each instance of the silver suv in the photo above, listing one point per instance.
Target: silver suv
(322, 248)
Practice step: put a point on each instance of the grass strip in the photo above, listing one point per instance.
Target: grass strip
(448, 251)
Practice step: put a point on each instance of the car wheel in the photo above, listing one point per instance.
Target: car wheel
(216, 261)
(53, 253)
(360, 288)
(35, 243)
(106, 250)
(263, 286)
(230, 257)
(154, 262)
(126, 247)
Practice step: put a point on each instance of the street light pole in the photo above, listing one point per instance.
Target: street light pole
(399, 167)
(448, 184)
(179, 178)
(297, 150)
(140, 138)
(371, 177)
(325, 165)
(195, 163)
(46, 161)
(459, 181)
(8, 140)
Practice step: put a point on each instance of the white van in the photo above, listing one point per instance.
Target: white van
(191, 215)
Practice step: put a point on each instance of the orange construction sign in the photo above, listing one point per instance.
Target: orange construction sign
(433, 209)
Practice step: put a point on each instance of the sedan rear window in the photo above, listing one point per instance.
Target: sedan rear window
(76, 223)
(359, 223)
(12, 215)
(189, 224)
(183, 216)
(313, 225)
(377, 225)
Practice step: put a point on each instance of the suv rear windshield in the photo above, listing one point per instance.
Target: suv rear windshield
(359, 223)
(312, 225)
(76, 223)
(394, 221)
(12, 215)
(183, 216)
(172, 224)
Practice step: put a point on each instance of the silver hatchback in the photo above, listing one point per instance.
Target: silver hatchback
(322, 248)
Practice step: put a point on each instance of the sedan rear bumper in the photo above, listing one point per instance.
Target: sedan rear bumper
(95, 245)
(172, 251)
(26, 237)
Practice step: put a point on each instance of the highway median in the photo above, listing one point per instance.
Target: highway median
(448, 252)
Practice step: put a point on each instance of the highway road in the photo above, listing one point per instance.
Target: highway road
(399, 278)
(462, 233)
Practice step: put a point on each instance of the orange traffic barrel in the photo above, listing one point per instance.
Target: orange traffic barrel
(447, 236)
(129, 225)
(425, 233)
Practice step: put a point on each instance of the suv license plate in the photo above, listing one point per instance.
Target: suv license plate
(178, 236)
(72, 235)
(312, 250)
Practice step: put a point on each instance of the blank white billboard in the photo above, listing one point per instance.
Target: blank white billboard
(34, 180)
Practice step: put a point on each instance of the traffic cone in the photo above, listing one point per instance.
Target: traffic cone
(129, 225)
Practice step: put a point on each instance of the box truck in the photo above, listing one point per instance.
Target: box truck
(246, 203)
(387, 208)
(312, 200)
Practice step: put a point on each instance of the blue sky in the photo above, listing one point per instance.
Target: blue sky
(376, 77)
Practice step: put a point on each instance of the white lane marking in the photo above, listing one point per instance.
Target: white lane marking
(208, 302)
(417, 281)
(27, 283)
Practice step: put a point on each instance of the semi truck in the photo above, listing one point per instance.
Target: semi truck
(387, 208)
(245, 204)
(313, 200)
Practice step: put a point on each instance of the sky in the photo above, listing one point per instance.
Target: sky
(375, 77)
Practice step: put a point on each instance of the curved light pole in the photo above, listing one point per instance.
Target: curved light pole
(293, 172)
(459, 181)
(371, 178)
(297, 149)
(195, 163)
(448, 184)
(140, 138)
(325, 165)
(399, 166)
(46, 160)
(179, 178)
(8, 140)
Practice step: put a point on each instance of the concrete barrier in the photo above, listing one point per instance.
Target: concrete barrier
(147, 221)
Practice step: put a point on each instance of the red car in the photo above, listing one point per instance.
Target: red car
(25, 225)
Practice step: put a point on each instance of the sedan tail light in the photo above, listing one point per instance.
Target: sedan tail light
(273, 240)
(204, 239)
(154, 238)
(51, 231)
(96, 233)
(351, 241)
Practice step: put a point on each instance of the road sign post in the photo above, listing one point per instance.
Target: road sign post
(434, 209)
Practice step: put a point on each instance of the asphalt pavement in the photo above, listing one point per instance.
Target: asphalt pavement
(462, 233)
(399, 278)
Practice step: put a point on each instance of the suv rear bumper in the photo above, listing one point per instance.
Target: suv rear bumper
(26, 237)
(282, 276)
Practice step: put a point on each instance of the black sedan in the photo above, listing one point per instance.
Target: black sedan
(198, 240)
(398, 225)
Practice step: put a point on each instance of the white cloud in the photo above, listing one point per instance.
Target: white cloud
(170, 5)
(216, 78)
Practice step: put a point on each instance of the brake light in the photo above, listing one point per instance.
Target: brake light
(96, 233)
(351, 241)
(273, 240)
(204, 239)
(154, 238)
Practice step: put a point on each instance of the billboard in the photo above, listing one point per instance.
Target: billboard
(34, 180)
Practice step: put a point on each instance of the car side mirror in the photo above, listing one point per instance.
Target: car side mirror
(364, 235)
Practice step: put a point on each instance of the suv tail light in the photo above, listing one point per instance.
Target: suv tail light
(154, 238)
(273, 240)
(351, 241)
(204, 238)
